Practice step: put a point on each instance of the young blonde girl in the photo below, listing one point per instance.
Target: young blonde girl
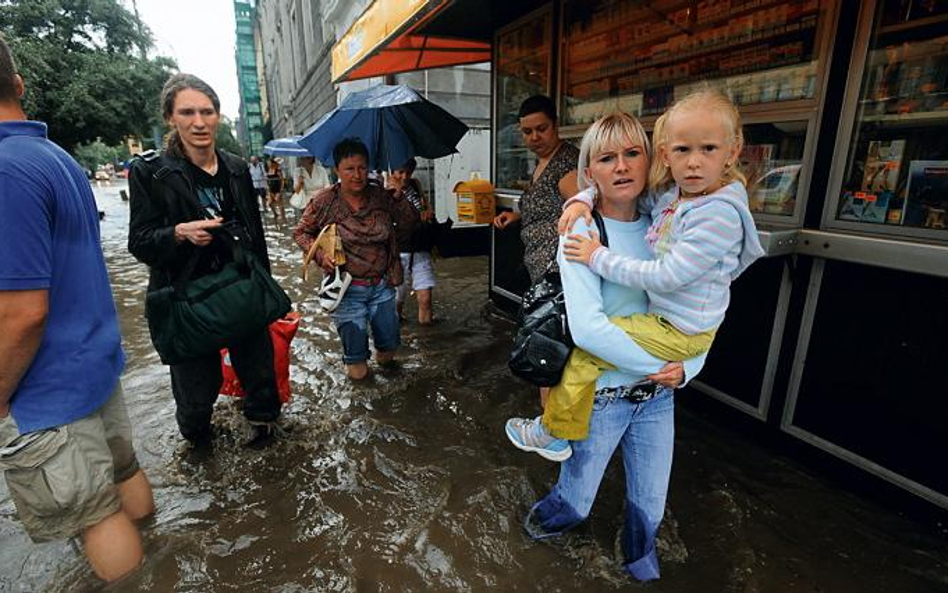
(702, 235)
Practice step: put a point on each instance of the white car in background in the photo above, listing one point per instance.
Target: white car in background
(775, 192)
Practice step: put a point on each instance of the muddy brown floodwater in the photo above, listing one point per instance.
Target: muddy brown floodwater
(407, 483)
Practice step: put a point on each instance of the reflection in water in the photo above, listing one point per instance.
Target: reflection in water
(406, 482)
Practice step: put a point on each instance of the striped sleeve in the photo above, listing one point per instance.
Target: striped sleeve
(587, 197)
(590, 327)
(706, 234)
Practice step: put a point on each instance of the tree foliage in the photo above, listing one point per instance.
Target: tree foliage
(93, 154)
(225, 138)
(84, 68)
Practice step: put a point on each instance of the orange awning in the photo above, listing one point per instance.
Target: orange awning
(384, 40)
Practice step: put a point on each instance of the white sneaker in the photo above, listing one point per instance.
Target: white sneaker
(332, 289)
(530, 435)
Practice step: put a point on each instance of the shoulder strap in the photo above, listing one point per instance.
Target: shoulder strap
(603, 235)
(601, 227)
(240, 257)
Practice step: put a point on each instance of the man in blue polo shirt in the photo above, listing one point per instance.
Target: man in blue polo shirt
(65, 437)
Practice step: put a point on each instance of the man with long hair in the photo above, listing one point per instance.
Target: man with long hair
(178, 203)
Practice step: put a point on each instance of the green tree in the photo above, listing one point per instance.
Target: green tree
(226, 139)
(93, 154)
(81, 61)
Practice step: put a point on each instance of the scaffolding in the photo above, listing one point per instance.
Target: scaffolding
(251, 125)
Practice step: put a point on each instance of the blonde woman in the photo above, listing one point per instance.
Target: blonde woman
(703, 236)
(614, 157)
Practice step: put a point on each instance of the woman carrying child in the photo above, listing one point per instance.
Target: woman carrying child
(703, 236)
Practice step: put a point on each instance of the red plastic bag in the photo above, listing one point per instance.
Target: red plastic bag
(281, 333)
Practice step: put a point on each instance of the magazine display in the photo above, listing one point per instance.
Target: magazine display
(876, 200)
(926, 196)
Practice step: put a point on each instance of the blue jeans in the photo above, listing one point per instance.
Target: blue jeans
(645, 434)
(363, 307)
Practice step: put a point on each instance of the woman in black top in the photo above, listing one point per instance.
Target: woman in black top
(275, 184)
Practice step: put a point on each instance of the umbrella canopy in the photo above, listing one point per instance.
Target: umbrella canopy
(288, 146)
(394, 122)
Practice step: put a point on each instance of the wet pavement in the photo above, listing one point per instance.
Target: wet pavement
(406, 482)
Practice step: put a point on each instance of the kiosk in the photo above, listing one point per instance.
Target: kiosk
(837, 337)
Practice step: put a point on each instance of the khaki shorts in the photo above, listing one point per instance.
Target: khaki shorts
(62, 480)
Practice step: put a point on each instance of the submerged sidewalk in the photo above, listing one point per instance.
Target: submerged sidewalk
(406, 482)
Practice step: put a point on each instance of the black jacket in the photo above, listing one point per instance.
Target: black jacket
(161, 195)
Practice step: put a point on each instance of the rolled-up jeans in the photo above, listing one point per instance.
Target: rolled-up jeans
(644, 433)
(362, 308)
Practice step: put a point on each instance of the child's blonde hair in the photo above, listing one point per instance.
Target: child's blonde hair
(615, 130)
(714, 101)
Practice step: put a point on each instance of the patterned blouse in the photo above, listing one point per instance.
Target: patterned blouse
(368, 234)
(541, 206)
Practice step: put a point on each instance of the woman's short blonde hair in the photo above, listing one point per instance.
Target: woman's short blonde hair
(617, 130)
(714, 101)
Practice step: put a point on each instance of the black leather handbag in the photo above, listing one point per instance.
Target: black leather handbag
(543, 343)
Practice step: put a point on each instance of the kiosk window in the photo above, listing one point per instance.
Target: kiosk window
(638, 56)
(771, 160)
(896, 174)
(523, 69)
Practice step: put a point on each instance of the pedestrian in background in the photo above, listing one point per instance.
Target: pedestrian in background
(310, 177)
(258, 174)
(413, 249)
(167, 228)
(65, 436)
(275, 185)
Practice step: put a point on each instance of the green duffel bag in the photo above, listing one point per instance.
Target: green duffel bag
(195, 318)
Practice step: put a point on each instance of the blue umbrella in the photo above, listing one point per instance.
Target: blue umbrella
(288, 146)
(394, 122)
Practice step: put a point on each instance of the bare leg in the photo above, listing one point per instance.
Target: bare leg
(271, 201)
(424, 306)
(544, 395)
(357, 371)
(113, 547)
(136, 496)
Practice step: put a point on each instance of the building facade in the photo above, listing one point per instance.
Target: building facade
(295, 40)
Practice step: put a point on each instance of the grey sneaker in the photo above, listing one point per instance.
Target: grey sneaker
(529, 435)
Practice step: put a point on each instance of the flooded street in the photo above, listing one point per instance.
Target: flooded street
(407, 483)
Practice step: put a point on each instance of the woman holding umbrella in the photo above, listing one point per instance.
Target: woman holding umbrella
(370, 221)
